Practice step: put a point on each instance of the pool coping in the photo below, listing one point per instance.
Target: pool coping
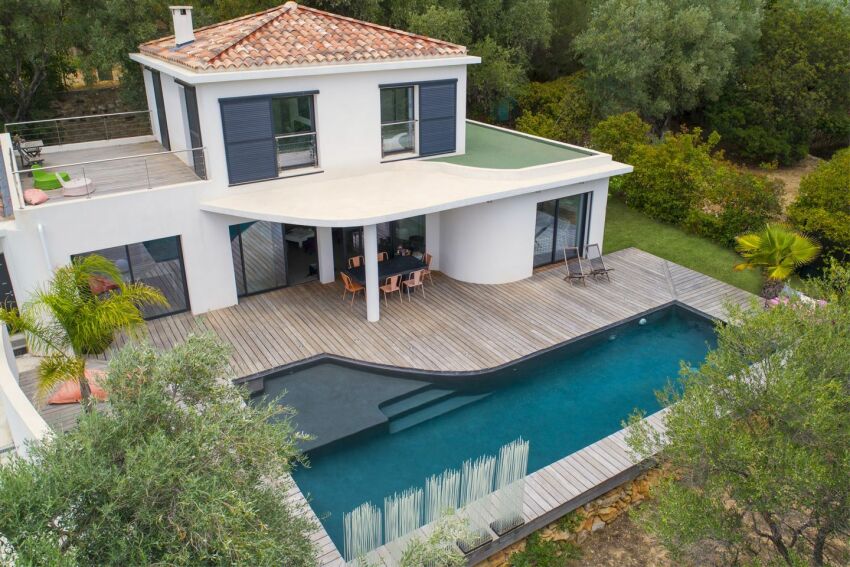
(550, 492)
(417, 373)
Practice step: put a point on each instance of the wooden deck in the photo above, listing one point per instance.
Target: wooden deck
(455, 327)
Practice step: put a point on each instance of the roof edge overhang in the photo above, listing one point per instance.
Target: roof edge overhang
(247, 205)
(194, 77)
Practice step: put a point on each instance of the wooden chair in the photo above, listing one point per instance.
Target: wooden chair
(391, 286)
(427, 271)
(415, 280)
(355, 262)
(350, 287)
(575, 269)
(597, 265)
(382, 256)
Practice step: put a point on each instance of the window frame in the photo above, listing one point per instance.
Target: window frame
(314, 132)
(414, 121)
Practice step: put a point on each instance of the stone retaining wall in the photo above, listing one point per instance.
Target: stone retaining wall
(593, 516)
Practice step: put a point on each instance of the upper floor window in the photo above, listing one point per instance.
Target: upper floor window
(398, 121)
(294, 121)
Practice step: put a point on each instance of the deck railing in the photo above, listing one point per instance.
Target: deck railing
(127, 173)
(77, 129)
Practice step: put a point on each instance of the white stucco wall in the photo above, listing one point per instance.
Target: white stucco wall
(348, 113)
(113, 220)
(493, 242)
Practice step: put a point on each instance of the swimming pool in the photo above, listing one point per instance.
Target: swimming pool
(560, 401)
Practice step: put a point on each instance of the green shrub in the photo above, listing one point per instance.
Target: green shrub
(619, 134)
(735, 202)
(822, 208)
(539, 552)
(671, 177)
(558, 109)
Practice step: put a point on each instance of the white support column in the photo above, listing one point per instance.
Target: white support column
(432, 238)
(370, 251)
(324, 236)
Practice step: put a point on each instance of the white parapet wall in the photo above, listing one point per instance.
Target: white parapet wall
(25, 423)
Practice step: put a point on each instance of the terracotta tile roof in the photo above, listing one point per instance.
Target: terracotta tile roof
(291, 35)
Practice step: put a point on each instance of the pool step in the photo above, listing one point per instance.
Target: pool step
(433, 410)
(414, 402)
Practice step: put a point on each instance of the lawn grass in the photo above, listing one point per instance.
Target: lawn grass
(625, 227)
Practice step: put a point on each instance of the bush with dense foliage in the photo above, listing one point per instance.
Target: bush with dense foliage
(760, 436)
(664, 57)
(619, 134)
(559, 110)
(682, 180)
(796, 93)
(179, 470)
(822, 207)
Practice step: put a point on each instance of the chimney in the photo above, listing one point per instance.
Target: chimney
(183, 33)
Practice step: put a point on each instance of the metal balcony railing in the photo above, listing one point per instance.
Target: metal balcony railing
(76, 129)
(127, 173)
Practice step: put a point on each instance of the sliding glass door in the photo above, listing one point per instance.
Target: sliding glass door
(560, 224)
(397, 238)
(157, 263)
(269, 256)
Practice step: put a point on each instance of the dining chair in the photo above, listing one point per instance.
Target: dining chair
(350, 287)
(355, 262)
(382, 256)
(391, 286)
(427, 271)
(415, 280)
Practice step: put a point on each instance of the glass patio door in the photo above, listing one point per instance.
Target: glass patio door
(560, 224)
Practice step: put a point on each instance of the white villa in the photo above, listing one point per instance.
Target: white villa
(280, 144)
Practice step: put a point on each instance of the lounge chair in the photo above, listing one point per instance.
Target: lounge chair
(427, 271)
(392, 286)
(77, 187)
(575, 269)
(30, 152)
(415, 280)
(350, 287)
(597, 265)
(47, 180)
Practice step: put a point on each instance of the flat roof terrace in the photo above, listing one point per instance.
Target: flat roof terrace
(412, 187)
(497, 148)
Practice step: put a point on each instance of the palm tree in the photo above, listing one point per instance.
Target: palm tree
(66, 321)
(778, 251)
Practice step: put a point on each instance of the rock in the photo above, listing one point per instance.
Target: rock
(609, 513)
(597, 525)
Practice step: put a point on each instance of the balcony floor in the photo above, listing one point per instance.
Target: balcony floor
(119, 175)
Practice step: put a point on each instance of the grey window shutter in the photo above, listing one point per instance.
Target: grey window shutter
(437, 117)
(156, 80)
(195, 137)
(248, 139)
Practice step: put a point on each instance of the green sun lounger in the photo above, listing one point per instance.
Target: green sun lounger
(47, 179)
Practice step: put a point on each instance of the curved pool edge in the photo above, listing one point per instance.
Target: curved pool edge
(255, 382)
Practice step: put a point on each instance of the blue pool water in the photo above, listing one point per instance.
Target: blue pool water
(560, 401)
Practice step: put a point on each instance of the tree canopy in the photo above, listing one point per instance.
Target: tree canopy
(665, 57)
(178, 471)
(759, 436)
(795, 94)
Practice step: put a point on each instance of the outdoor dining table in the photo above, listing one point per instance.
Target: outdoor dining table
(395, 266)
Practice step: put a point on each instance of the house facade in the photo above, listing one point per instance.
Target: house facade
(283, 143)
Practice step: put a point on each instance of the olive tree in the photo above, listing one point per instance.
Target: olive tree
(760, 438)
(178, 470)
